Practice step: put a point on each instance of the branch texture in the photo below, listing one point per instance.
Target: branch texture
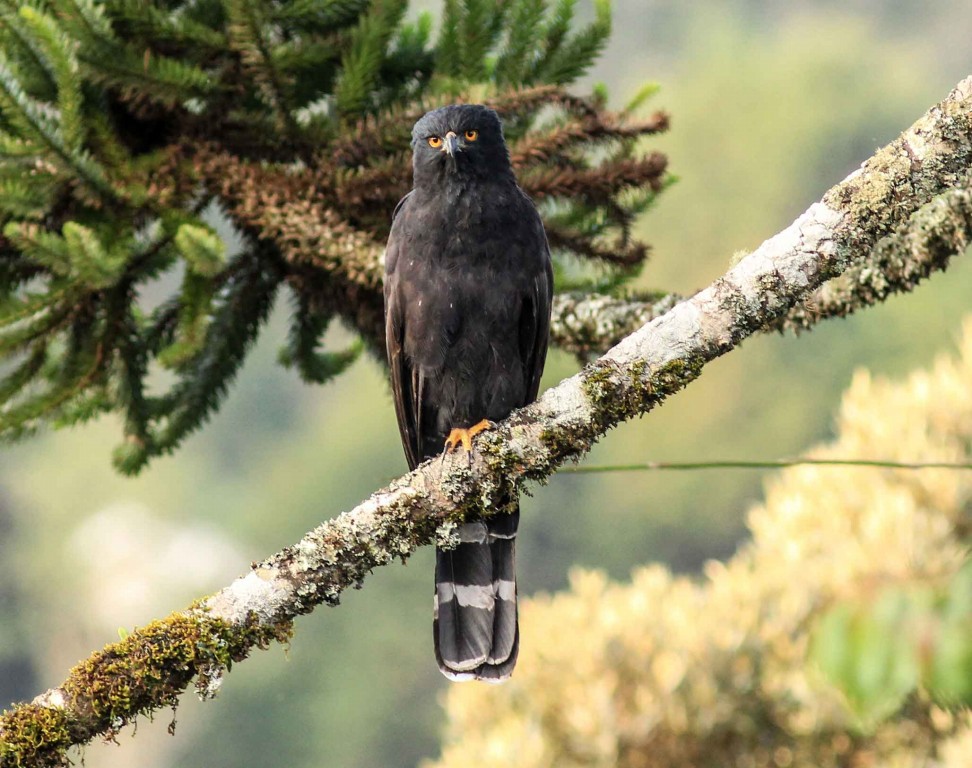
(585, 324)
(834, 235)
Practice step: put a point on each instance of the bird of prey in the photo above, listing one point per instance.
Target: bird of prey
(468, 285)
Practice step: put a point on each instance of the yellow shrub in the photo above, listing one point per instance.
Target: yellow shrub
(670, 671)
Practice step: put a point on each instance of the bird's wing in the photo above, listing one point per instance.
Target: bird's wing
(407, 384)
(535, 326)
(398, 207)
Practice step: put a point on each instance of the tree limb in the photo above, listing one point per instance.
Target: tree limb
(149, 668)
(586, 324)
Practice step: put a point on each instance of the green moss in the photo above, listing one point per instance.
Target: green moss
(559, 443)
(34, 736)
(502, 461)
(616, 394)
(897, 182)
(150, 668)
(146, 671)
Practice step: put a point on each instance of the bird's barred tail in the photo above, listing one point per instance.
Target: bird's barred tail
(475, 627)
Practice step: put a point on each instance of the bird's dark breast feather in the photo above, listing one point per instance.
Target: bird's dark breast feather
(469, 285)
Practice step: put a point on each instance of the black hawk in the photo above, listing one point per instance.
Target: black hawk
(468, 285)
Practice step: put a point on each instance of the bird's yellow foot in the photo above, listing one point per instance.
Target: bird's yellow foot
(464, 438)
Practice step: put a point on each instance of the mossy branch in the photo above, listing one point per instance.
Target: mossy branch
(148, 669)
(586, 324)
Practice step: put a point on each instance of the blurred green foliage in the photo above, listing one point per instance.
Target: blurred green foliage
(880, 650)
(771, 105)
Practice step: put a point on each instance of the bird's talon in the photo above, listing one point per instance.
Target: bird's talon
(464, 437)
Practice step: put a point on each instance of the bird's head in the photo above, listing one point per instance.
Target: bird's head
(462, 139)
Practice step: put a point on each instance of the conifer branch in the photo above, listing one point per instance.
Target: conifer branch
(621, 253)
(140, 76)
(39, 123)
(247, 35)
(589, 128)
(321, 15)
(155, 664)
(306, 331)
(566, 57)
(247, 297)
(596, 183)
(105, 106)
(520, 47)
(361, 65)
(154, 24)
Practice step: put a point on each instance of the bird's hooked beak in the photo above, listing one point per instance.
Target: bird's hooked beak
(452, 144)
(452, 147)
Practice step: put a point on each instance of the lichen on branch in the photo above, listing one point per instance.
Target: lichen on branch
(586, 324)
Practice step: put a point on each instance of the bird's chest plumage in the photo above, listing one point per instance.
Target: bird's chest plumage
(467, 260)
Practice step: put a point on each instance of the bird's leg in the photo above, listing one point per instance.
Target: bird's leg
(464, 438)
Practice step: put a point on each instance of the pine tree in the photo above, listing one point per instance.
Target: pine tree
(127, 128)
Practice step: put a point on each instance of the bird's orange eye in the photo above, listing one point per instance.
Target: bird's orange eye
(435, 142)
(472, 135)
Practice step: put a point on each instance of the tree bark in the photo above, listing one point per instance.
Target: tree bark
(903, 213)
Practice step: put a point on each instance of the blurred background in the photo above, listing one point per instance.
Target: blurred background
(772, 102)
